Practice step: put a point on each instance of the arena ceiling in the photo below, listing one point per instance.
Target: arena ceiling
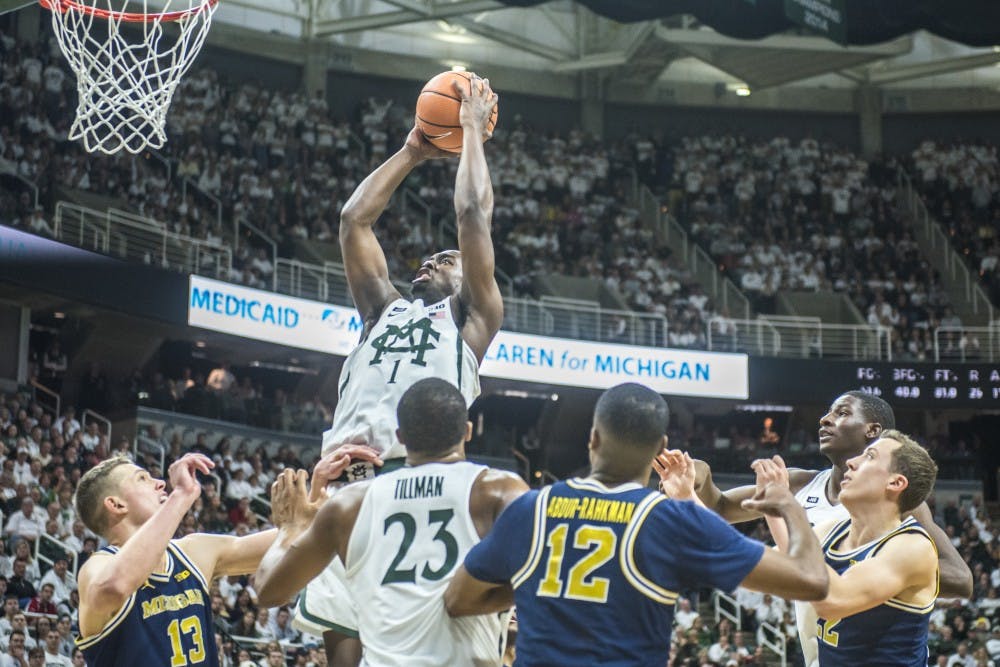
(666, 41)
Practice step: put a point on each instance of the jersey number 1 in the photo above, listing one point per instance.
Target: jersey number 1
(187, 626)
(395, 369)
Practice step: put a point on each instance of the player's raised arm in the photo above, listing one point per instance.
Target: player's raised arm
(480, 294)
(305, 544)
(729, 504)
(799, 574)
(364, 260)
(956, 577)
(107, 580)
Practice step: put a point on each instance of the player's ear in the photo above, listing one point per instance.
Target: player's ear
(399, 437)
(468, 432)
(595, 439)
(874, 430)
(115, 506)
(898, 483)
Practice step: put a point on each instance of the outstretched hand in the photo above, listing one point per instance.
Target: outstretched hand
(290, 506)
(182, 474)
(676, 471)
(770, 499)
(477, 105)
(770, 471)
(333, 465)
(422, 148)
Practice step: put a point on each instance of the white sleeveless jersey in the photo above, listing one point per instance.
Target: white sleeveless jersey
(819, 510)
(413, 531)
(409, 342)
(815, 502)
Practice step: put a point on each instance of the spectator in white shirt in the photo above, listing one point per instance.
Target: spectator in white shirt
(238, 487)
(53, 658)
(685, 615)
(91, 437)
(23, 523)
(62, 580)
(68, 423)
(22, 467)
(961, 657)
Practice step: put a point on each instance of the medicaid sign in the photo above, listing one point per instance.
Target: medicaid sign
(312, 325)
(578, 363)
(271, 317)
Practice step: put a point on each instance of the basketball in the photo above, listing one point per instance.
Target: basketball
(437, 111)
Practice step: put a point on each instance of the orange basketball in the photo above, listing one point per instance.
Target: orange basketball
(437, 111)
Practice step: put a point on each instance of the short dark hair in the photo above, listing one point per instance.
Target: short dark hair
(432, 416)
(914, 463)
(874, 409)
(633, 414)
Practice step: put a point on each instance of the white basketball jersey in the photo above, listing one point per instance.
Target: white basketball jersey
(819, 510)
(409, 342)
(413, 531)
(815, 502)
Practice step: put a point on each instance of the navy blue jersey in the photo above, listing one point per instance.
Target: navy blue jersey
(596, 570)
(168, 621)
(892, 634)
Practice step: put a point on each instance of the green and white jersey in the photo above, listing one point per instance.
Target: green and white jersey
(409, 342)
(413, 530)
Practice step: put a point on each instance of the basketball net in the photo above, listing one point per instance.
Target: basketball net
(125, 80)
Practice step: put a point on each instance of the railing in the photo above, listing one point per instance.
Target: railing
(666, 229)
(424, 217)
(575, 318)
(552, 316)
(776, 640)
(527, 316)
(204, 194)
(942, 253)
(99, 418)
(523, 463)
(51, 401)
(805, 337)
(967, 343)
(147, 445)
(727, 607)
(53, 549)
(139, 239)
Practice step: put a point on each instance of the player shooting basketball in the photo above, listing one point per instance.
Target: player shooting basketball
(442, 331)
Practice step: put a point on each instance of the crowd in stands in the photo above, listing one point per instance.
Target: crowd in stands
(283, 163)
(782, 215)
(960, 183)
(776, 215)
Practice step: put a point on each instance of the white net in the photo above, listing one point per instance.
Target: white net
(128, 56)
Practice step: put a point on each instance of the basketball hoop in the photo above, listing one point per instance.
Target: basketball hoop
(125, 81)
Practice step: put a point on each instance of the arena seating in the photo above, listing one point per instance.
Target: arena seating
(960, 184)
(781, 215)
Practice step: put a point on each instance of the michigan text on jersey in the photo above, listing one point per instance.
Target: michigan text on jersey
(163, 603)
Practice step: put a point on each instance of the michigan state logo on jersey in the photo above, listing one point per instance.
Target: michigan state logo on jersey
(416, 337)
